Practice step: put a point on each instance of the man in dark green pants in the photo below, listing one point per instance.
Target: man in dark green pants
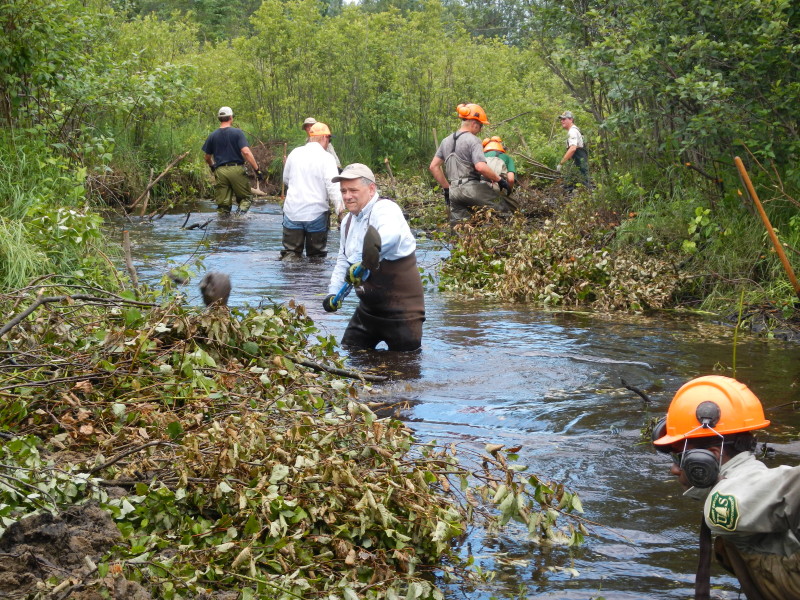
(226, 151)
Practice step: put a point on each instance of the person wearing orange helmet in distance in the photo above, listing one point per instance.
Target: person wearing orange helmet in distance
(493, 148)
(753, 511)
(459, 164)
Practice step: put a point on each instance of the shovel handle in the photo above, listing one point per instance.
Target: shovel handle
(348, 287)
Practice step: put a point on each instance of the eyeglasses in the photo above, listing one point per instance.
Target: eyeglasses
(677, 458)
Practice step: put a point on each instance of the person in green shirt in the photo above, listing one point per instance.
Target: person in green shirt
(493, 147)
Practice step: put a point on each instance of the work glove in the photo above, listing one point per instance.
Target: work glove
(330, 305)
(212, 167)
(558, 167)
(503, 184)
(355, 274)
(446, 196)
(260, 175)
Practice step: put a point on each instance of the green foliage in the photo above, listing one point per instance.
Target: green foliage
(672, 85)
(563, 262)
(263, 474)
(701, 229)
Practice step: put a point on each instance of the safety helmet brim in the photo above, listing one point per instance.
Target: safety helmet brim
(739, 410)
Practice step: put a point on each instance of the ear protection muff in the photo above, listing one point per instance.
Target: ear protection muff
(659, 431)
(701, 467)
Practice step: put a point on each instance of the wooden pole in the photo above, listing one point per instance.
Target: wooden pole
(126, 246)
(765, 219)
(389, 169)
(435, 139)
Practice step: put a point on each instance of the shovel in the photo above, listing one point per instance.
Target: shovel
(370, 257)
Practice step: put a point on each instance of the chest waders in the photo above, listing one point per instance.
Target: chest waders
(391, 306)
(467, 191)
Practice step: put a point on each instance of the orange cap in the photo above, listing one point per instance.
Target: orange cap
(728, 406)
(318, 129)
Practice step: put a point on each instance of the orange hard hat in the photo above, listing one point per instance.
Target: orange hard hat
(472, 111)
(318, 129)
(493, 143)
(709, 406)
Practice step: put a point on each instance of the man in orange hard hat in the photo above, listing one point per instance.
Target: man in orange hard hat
(753, 511)
(461, 156)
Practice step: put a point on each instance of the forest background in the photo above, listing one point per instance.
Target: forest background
(95, 95)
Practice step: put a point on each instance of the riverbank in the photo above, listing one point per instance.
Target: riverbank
(576, 249)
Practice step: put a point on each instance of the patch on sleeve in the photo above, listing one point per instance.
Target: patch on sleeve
(724, 511)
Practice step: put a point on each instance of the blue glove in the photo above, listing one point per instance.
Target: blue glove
(329, 305)
(355, 274)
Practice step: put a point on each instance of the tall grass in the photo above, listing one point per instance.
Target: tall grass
(20, 260)
(18, 174)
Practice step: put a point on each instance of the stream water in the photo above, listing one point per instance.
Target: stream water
(548, 381)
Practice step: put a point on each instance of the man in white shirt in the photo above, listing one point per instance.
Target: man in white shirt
(308, 173)
(391, 301)
(576, 149)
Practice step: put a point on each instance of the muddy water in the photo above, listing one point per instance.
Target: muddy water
(549, 382)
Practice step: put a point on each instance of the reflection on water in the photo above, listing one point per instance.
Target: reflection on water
(518, 376)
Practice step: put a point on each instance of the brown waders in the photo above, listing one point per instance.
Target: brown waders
(391, 308)
(231, 182)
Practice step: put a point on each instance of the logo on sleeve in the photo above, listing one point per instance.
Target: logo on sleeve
(724, 511)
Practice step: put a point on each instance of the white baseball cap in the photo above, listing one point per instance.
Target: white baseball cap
(225, 111)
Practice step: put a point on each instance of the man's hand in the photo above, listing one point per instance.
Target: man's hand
(503, 184)
(260, 175)
(329, 305)
(355, 274)
(213, 167)
(446, 196)
(558, 167)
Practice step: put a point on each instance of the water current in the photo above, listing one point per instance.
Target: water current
(546, 381)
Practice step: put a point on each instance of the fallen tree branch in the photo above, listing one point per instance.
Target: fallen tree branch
(48, 299)
(635, 390)
(199, 225)
(157, 179)
(122, 455)
(338, 371)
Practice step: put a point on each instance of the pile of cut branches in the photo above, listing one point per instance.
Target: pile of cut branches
(567, 261)
(232, 456)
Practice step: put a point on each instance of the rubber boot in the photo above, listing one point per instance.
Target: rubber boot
(293, 240)
(317, 244)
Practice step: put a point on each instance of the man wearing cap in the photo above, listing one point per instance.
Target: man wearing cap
(226, 151)
(461, 156)
(307, 125)
(753, 511)
(576, 149)
(391, 304)
(308, 173)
